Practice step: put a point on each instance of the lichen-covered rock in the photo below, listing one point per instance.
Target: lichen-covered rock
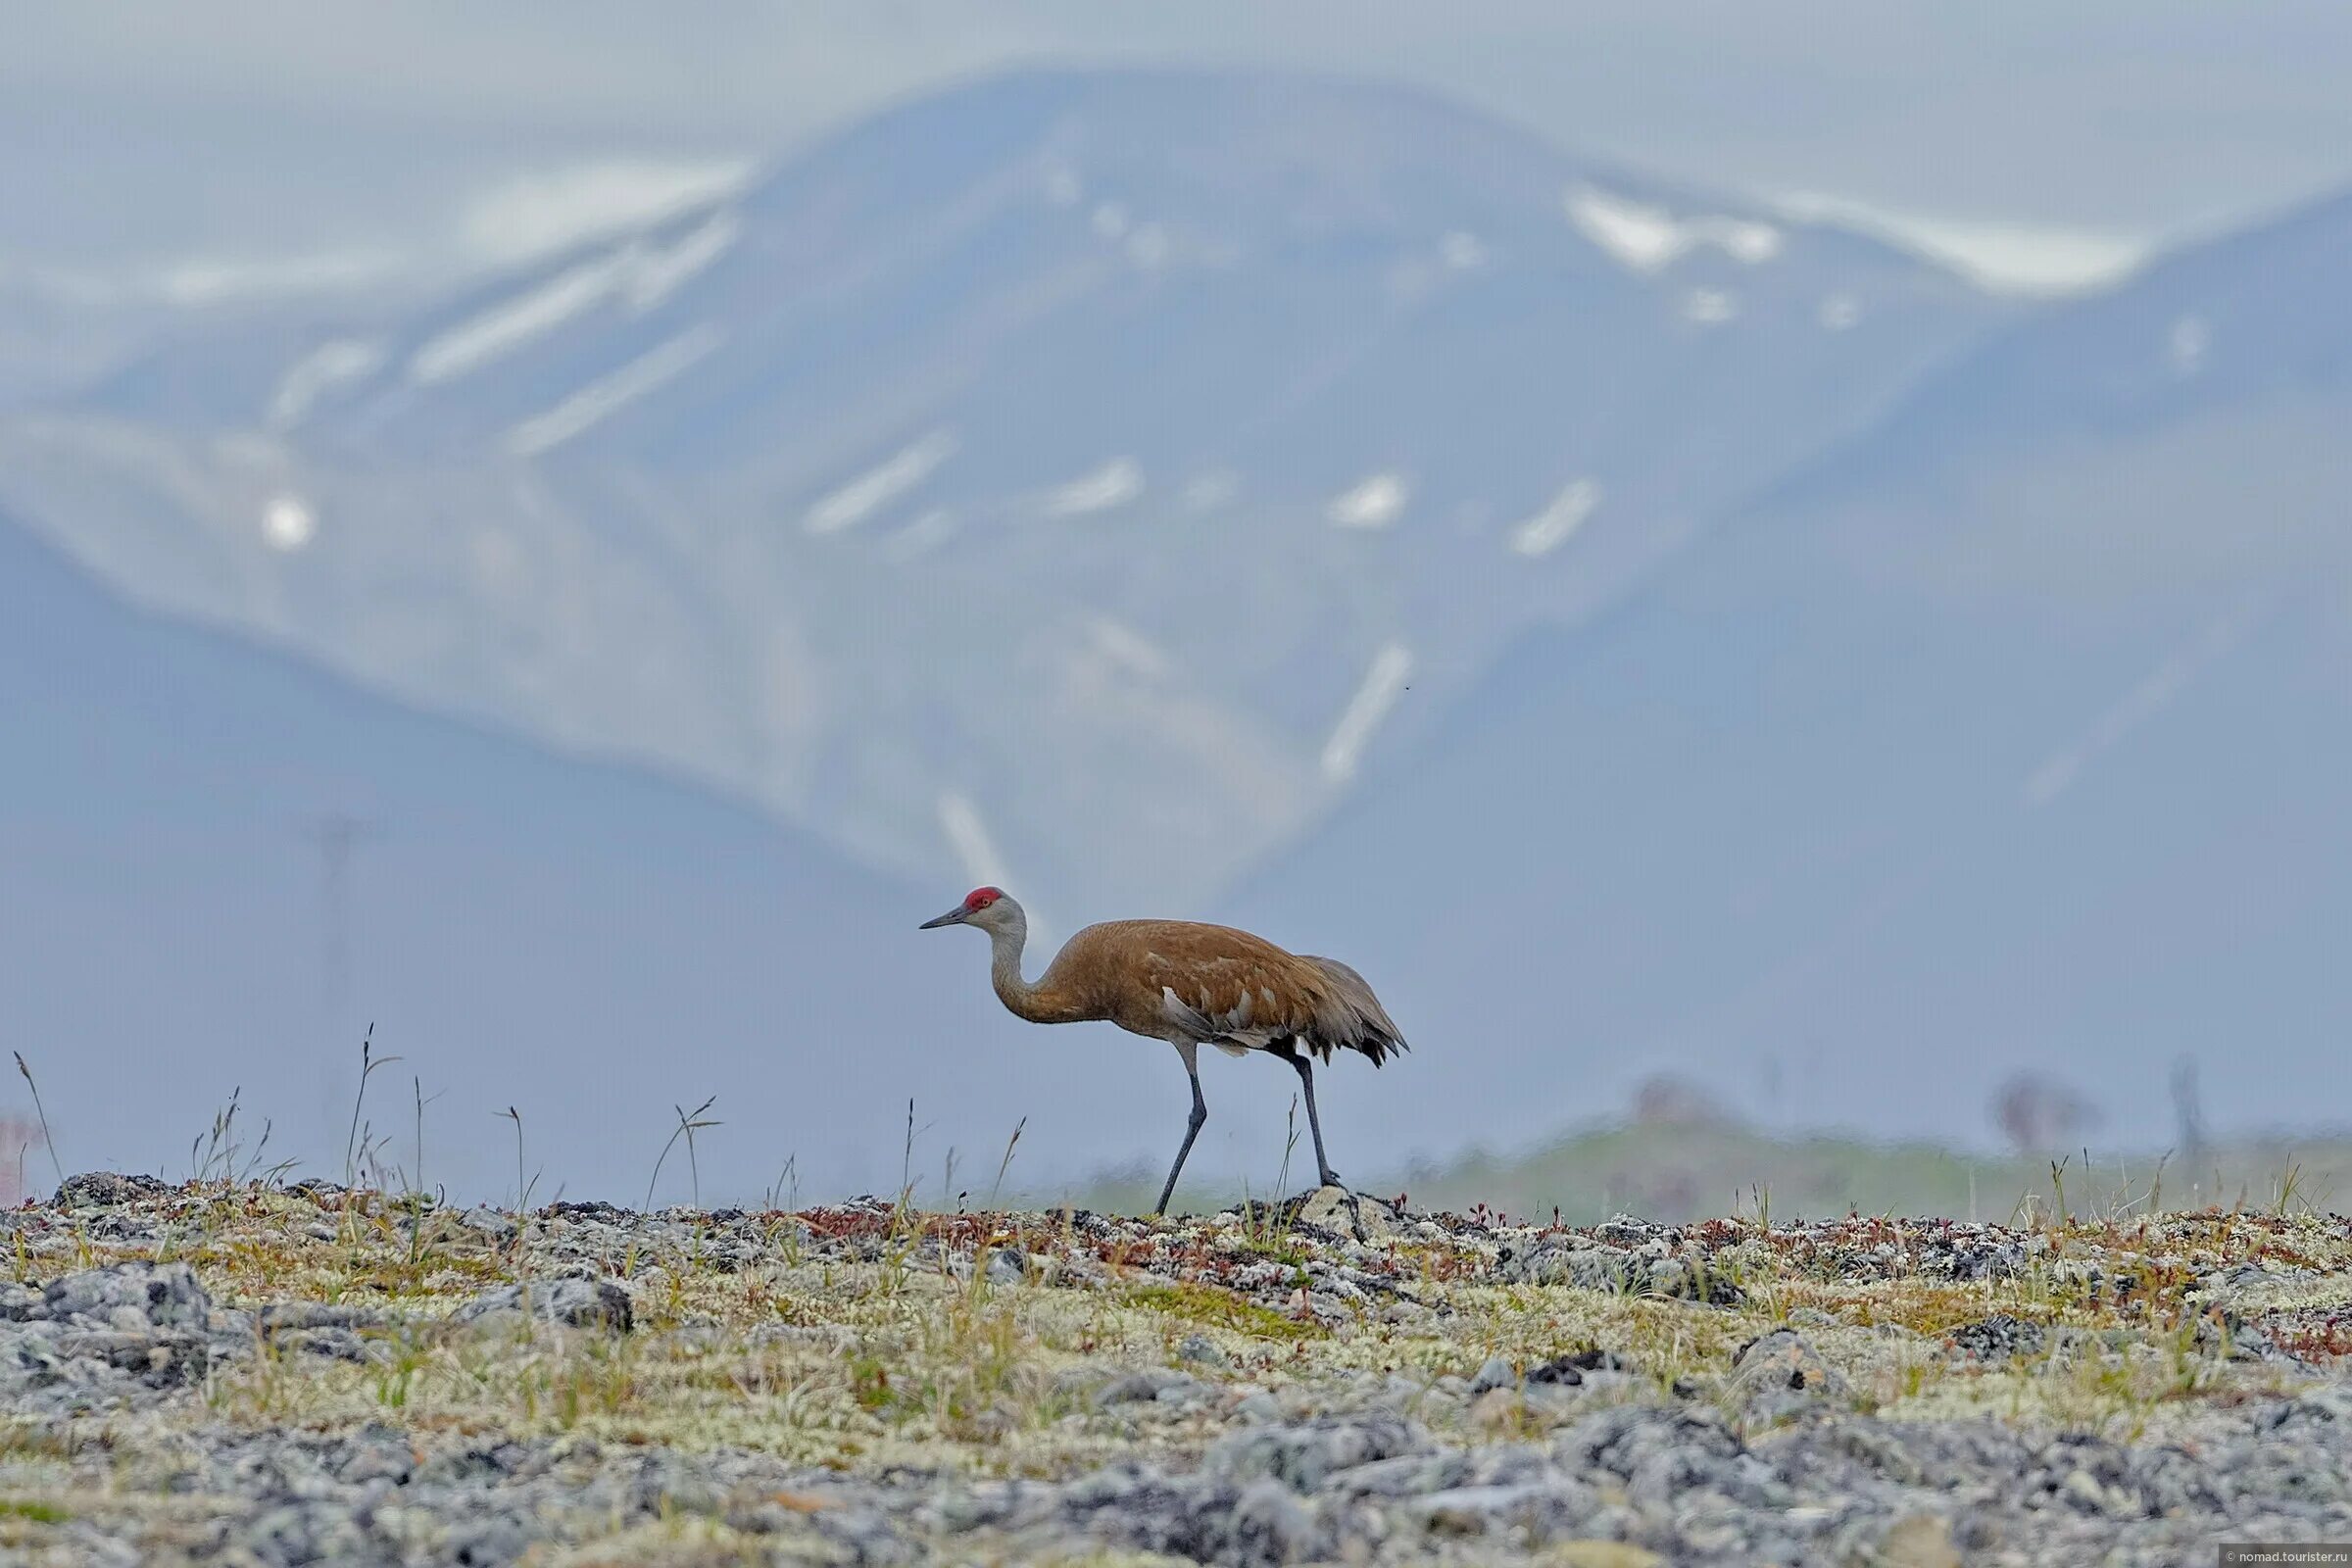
(106, 1189)
(1780, 1375)
(1307, 1455)
(1999, 1337)
(580, 1303)
(129, 1295)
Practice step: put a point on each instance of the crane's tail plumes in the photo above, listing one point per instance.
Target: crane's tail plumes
(1350, 1017)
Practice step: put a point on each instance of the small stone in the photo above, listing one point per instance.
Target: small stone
(1136, 1388)
(281, 1316)
(1271, 1524)
(1260, 1406)
(1496, 1373)
(1567, 1371)
(1600, 1554)
(1918, 1541)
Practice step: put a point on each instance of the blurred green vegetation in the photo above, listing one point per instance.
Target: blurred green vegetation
(1686, 1170)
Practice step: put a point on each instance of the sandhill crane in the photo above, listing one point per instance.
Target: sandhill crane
(1191, 985)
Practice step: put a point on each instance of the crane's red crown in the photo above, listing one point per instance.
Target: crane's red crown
(981, 897)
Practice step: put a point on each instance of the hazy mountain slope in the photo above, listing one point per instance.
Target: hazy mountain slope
(1061, 478)
(587, 944)
(2015, 735)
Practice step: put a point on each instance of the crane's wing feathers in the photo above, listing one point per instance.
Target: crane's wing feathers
(1351, 1015)
(1228, 989)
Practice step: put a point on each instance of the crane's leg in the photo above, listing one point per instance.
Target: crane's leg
(1190, 1052)
(1314, 1123)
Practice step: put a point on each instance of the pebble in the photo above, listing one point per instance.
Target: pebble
(1495, 1373)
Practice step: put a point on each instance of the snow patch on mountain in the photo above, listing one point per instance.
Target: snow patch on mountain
(1709, 306)
(643, 272)
(1383, 683)
(601, 398)
(330, 364)
(877, 487)
(1550, 529)
(1374, 503)
(1648, 239)
(1113, 485)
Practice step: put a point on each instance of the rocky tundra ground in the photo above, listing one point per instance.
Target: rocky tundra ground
(251, 1375)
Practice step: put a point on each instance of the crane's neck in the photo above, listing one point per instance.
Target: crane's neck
(1005, 940)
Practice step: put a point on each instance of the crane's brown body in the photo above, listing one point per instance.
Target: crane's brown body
(1211, 984)
(1191, 985)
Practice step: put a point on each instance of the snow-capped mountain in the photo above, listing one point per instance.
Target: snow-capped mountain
(2016, 734)
(1068, 480)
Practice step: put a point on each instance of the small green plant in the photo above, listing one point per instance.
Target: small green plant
(689, 1124)
(2286, 1190)
(1266, 1226)
(32, 1508)
(42, 1111)
(1216, 1308)
(523, 1186)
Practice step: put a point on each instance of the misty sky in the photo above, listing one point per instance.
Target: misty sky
(258, 145)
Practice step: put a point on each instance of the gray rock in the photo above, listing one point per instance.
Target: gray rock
(281, 1316)
(161, 1295)
(1495, 1373)
(1136, 1388)
(580, 1303)
(1307, 1455)
(1999, 1337)
(340, 1345)
(161, 1359)
(1344, 1213)
(1779, 1375)
(1260, 1406)
(309, 1533)
(106, 1189)
(1270, 1526)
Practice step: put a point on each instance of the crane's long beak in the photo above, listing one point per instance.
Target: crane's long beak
(953, 917)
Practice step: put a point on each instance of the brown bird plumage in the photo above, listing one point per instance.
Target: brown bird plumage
(1191, 985)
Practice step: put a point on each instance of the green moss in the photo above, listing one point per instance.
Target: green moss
(1220, 1308)
(47, 1513)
